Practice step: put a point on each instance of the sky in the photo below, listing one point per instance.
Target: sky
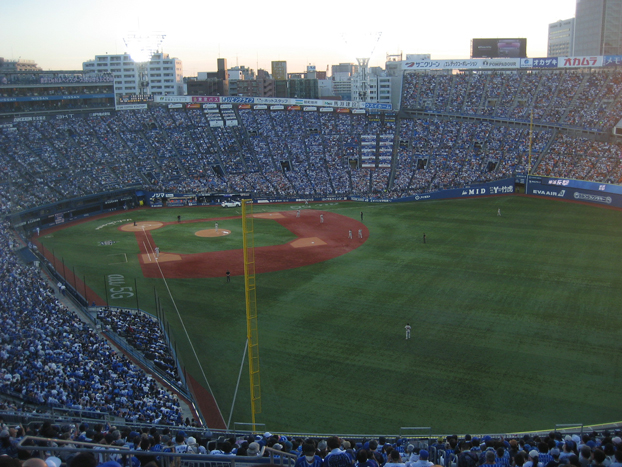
(62, 34)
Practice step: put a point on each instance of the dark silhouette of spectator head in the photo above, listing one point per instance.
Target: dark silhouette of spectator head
(83, 459)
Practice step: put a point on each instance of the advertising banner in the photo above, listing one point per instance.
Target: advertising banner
(130, 106)
(582, 184)
(576, 190)
(206, 99)
(573, 194)
(466, 64)
(579, 62)
(612, 60)
(173, 99)
(547, 62)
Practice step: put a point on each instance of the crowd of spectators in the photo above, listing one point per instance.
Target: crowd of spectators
(49, 357)
(143, 333)
(148, 446)
(577, 99)
(296, 153)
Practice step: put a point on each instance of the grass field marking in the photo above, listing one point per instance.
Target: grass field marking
(147, 250)
(118, 254)
(155, 257)
(183, 325)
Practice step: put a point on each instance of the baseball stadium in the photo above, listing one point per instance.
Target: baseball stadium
(243, 267)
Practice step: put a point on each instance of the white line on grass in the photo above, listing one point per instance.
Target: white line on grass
(119, 262)
(147, 250)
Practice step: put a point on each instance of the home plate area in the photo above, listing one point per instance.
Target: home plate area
(309, 241)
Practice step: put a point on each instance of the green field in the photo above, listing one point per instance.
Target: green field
(516, 319)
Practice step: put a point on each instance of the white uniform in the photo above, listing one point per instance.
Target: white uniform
(349, 234)
(408, 328)
(321, 218)
(360, 233)
(216, 226)
(157, 252)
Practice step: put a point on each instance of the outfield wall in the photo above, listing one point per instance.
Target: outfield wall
(575, 190)
(79, 208)
(499, 187)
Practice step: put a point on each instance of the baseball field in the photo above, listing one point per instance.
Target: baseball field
(516, 321)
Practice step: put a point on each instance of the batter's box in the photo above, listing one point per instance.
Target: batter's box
(163, 258)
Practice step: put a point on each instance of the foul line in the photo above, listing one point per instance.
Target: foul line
(147, 250)
(185, 330)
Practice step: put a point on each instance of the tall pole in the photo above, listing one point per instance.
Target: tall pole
(530, 144)
(530, 141)
(106, 289)
(248, 247)
(136, 289)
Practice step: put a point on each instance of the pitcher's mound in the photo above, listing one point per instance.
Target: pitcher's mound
(212, 233)
(140, 226)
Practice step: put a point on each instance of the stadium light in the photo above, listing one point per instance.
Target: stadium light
(362, 45)
(141, 47)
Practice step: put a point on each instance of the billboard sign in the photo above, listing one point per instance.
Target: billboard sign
(499, 48)
(612, 60)
(578, 62)
(546, 62)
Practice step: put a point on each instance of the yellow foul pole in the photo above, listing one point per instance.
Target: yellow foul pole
(251, 306)
(530, 142)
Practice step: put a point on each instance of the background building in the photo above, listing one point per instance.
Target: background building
(304, 88)
(210, 83)
(10, 66)
(163, 75)
(598, 27)
(341, 76)
(561, 38)
(279, 70)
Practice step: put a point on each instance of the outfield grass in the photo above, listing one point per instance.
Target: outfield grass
(516, 321)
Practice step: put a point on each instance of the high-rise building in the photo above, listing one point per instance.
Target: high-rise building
(561, 38)
(163, 75)
(304, 88)
(598, 27)
(279, 70)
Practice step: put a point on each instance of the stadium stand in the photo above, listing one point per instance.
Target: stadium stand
(453, 130)
(474, 129)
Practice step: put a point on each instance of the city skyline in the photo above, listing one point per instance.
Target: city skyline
(62, 34)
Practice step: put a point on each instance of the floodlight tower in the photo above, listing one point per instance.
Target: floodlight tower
(141, 48)
(363, 77)
(360, 45)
